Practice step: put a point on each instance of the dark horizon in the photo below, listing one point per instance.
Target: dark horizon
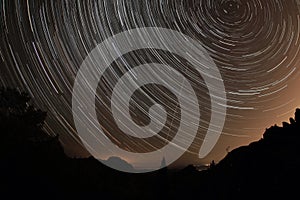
(35, 164)
(255, 47)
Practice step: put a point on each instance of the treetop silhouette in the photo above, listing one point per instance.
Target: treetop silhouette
(19, 120)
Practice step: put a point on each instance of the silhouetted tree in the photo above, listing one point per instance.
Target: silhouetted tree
(19, 120)
(30, 159)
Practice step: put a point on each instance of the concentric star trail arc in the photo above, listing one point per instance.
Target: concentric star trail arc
(254, 43)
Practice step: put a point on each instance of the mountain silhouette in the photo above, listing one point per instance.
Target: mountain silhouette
(116, 161)
(263, 169)
(34, 165)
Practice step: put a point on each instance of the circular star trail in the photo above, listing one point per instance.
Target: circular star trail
(254, 43)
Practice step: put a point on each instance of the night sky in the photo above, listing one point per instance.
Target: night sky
(255, 45)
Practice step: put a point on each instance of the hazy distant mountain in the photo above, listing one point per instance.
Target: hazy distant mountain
(116, 161)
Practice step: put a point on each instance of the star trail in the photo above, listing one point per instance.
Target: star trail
(254, 43)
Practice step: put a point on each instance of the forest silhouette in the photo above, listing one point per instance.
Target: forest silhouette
(34, 165)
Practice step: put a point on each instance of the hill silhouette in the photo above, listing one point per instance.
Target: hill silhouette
(268, 168)
(34, 165)
(114, 161)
